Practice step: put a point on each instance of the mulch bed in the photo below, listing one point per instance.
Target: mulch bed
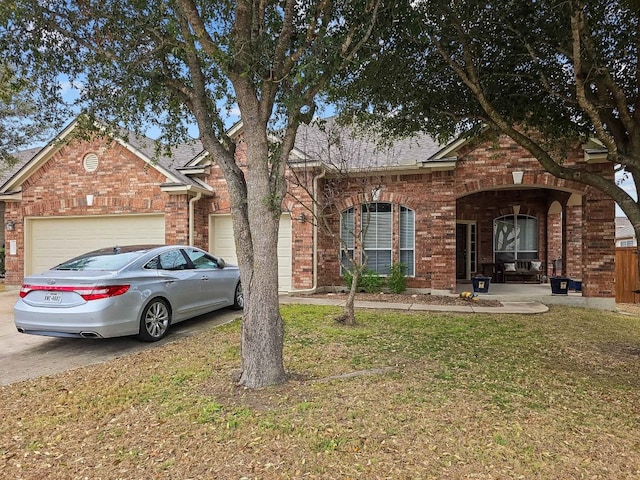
(413, 298)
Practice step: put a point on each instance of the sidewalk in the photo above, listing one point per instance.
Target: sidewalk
(507, 307)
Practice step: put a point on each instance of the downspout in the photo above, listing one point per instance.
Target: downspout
(191, 215)
(314, 285)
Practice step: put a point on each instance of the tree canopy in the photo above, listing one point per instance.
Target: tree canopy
(23, 122)
(540, 71)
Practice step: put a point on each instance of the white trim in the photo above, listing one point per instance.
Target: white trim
(182, 189)
(29, 168)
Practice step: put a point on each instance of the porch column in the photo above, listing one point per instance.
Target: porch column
(554, 241)
(598, 246)
(443, 232)
(573, 257)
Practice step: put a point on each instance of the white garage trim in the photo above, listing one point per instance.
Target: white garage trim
(222, 244)
(51, 240)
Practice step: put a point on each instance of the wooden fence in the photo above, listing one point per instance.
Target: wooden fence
(627, 275)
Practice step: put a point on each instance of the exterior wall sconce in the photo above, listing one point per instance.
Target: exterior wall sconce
(517, 177)
(10, 226)
(89, 200)
(375, 193)
(302, 218)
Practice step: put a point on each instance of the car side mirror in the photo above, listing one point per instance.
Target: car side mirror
(221, 263)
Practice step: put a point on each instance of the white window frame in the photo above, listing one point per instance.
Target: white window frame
(407, 242)
(517, 252)
(378, 240)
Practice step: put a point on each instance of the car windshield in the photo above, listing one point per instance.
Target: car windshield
(99, 261)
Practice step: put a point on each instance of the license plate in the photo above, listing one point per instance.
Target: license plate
(53, 297)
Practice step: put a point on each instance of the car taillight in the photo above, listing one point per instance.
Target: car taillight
(88, 293)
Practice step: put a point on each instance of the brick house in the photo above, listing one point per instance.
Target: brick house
(447, 212)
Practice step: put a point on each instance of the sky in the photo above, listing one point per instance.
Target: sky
(629, 187)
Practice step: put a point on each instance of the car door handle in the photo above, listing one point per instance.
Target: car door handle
(205, 278)
(169, 282)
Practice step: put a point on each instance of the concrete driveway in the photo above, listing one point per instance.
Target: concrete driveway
(29, 356)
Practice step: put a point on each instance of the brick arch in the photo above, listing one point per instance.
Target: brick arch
(385, 197)
(505, 180)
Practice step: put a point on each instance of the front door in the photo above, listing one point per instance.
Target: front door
(465, 250)
(461, 251)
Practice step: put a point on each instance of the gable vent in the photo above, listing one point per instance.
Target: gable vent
(90, 162)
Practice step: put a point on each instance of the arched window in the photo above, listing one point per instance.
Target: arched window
(515, 237)
(377, 230)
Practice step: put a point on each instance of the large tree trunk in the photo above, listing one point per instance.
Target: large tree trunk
(255, 211)
(262, 332)
(262, 329)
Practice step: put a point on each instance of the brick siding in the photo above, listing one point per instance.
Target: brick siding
(479, 189)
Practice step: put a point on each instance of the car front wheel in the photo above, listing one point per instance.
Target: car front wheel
(154, 321)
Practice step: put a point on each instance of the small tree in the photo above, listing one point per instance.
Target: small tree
(350, 160)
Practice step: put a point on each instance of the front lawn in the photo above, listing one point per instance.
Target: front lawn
(400, 396)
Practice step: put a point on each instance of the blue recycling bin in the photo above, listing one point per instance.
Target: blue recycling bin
(481, 284)
(575, 285)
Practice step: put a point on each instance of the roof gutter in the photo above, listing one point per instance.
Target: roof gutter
(15, 196)
(440, 164)
(191, 216)
(314, 285)
(182, 189)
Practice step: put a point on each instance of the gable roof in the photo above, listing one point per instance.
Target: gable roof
(346, 147)
(329, 144)
(8, 170)
(323, 143)
(29, 161)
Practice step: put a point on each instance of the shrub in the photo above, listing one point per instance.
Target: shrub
(369, 281)
(397, 281)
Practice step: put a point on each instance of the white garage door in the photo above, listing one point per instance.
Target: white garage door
(221, 243)
(49, 241)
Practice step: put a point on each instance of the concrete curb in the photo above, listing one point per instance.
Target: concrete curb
(520, 308)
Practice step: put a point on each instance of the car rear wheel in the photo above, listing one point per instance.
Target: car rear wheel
(238, 298)
(154, 321)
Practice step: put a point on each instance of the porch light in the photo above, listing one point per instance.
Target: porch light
(375, 193)
(302, 218)
(10, 226)
(517, 177)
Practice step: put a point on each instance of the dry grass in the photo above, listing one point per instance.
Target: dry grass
(400, 396)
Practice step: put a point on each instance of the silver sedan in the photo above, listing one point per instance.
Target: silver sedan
(133, 290)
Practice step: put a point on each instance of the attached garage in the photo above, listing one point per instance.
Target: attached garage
(51, 240)
(222, 244)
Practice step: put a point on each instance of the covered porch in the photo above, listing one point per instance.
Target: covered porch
(536, 292)
(521, 235)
